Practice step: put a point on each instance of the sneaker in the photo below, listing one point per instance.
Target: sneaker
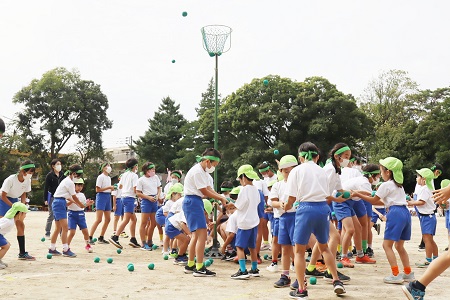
(102, 241)
(421, 248)
(124, 235)
(273, 267)
(89, 248)
(369, 252)
(350, 254)
(446, 249)
(115, 241)
(342, 277)
(181, 260)
(265, 247)
(3, 263)
(412, 293)
(240, 275)
(2, 266)
(161, 243)
(146, 247)
(408, 278)
(204, 272)
(232, 256)
(284, 281)
(54, 252)
(394, 279)
(347, 263)
(338, 287)
(365, 260)
(315, 273)
(254, 273)
(133, 243)
(166, 253)
(294, 286)
(189, 270)
(423, 264)
(225, 256)
(296, 294)
(69, 253)
(25, 256)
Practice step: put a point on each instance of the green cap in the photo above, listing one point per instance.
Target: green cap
(248, 171)
(207, 206)
(428, 175)
(79, 181)
(280, 176)
(287, 161)
(395, 165)
(17, 206)
(235, 191)
(445, 183)
(176, 188)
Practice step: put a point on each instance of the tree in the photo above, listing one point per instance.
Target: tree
(161, 142)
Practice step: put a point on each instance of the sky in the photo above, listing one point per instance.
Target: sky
(127, 47)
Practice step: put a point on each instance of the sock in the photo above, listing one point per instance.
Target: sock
(434, 257)
(21, 241)
(53, 246)
(428, 259)
(407, 270)
(191, 263)
(242, 265)
(364, 245)
(143, 243)
(90, 237)
(339, 248)
(161, 237)
(350, 248)
(274, 261)
(359, 253)
(254, 265)
(417, 285)
(198, 266)
(87, 242)
(311, 268)
(266, 242)
(328, 271)
(150, 242)
(395, 270)
(369, 245)
(65, 247)
(101, 237)
(286, 272)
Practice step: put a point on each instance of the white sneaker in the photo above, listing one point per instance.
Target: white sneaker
(265, 247)
(408, 278)
(3, 263)
(394, 279)
(272, 267)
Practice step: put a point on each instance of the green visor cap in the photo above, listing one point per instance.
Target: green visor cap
(79, 181)
(207, 206)
(248, 171)
(16, 207)
(235, 191)
(395, 165)
(445, 183)
(287, 161)
(428, 175)
(176, 188)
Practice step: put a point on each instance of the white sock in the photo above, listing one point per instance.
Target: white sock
(53, 246)
(65, 247)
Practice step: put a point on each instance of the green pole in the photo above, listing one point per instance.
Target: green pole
(216, 113)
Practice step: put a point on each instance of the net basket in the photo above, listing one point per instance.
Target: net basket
(216, 39)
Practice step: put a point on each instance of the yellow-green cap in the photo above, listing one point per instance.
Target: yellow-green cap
(445, 183)
(395, 165)
(287, 161)
(428, 175)
(280, 176)
(79, 181)
(235, 191)
(248, 171)
(207, 206)
(16, 207)
(176, 188)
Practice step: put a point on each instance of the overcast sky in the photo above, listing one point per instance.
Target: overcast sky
(128, 46)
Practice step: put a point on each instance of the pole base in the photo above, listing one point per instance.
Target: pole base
(214, 250)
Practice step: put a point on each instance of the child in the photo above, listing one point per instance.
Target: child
(176, 229)
(76, 216)
(103, 188)
(6, 224)
(14, 187)
(308, 184)
(117, 207)
(52, 180)
(65, 190)
(398, 218)
(446, 206)
(247, 221)
(175, 177)
(197, 185)
(425, 207)
(229, 247)
(173, 194)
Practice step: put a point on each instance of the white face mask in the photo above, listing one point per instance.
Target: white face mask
(376, 181)
(344, 162)
(58, 168)
(210, 170)
(174, 181)
(108, 169)
(28, 176)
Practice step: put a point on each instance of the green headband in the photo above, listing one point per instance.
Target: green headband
(176, 174)
(151, 166)
(352, 159)
(29, 166)
(372, 173)
(308, 155)
(264, 170)
(210, 157)
(68, 172)
(226, 189)
(342, 150)
(102, 166)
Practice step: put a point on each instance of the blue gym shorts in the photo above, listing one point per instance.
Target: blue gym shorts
(59, 207)
(375, 216)
(368, 208)
(119, 207)
(359, 208)
(148, 207)
(398, 224)
(76, 218)
(159, 217)
(5, 207)
(447, 219)
(103, 201)
(261, 205)
(246, 238)
(428, 224)
(312, 217)
(171, 231)
(275, 226)
(286, 230)
(128, 204)
(343, 210)
(194, 212)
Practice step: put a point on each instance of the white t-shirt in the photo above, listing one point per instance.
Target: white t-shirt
(103, 181)
(334, 181)
(14, 188)
(348, 173)
(196, 179)
(359, 183)
(247, 207)
(66, 189)
(177, 206)
(129, 182)
(6, 225)
(117, 193)
(262, 186)
(148, 185)
(308, 182)
(391, 194)
(424, 194)
(75, 207)
(270, 179)
(166, 207)
(232, 226)
(279, 191)
(177, 219)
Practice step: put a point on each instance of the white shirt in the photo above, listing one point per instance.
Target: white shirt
(14, 188)
(391, 194)
(103, 181)
(117, 193)
(348, 173)
(359, 183)
(247, 207)
(177, 219)
(66, 189)
(270, 179)
(166, 208)
(424, 194)
(262, 186)
(232, 226)
(308, 182)
(177, 206)
(128, 181)
(75, 207)
(279, 191)
(6, 225)
(334, 181)
(148, 185)
(196, 179)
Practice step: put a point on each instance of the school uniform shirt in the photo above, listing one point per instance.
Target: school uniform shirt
(75, 207)
(232, 226)
(177, 206)
(308, 182)
(334, 181)
(424, 194)
(247, 207)
(103, 181)
(129, 182)
(348, 173)
(391, 194)
(359, 183)
(166, 207)
(196, 179)
(279, 191)
(6, 225)
(270, 179)
(262, 186)
(14, 188)
(177, 219)
(65, 189)
(148, 185)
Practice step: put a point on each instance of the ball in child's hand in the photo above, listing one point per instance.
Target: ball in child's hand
(313, 280)
(373, 193)
(166, 257)
(97, 259)
(49, 256)
(109, 260)
(119, 251)
(43, 239)
(340, 265)
(151, 266)
(346, 195)
(276, 152)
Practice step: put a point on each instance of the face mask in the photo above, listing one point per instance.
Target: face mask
(210, 170)
(174, 181)
(28, 176)
(344, 162)
(108, 169)
(57, 168)
(266, 176)
(74, 178)
(376, 181)
(135, 171)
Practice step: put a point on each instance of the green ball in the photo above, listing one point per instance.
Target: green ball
(97, 259)
(43, 239)
(408, 198)
(346, 195)
(207, 263)
(151, 266)
(373, 193)
(207, 250)
(338, 194)
(184, 14)
(266, 82)
(119, 251)
(109, 260)
(195, 259)
(130, 268)
(333, 213)
(154, 247)
(313, 280)
(173, 61)
(340, 265)
(266, 256)
(94, 240)
(276, 152)
(49, 256)
(166, 257)
(211, 261)
(212, 54)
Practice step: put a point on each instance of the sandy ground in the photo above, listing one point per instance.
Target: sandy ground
(81, 278)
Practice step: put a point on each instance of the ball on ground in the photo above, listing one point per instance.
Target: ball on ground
(266, 256)
(184, 14)
(154, 247)
(151, 266)
(49, 256)
(340, 265)
(173, 61)
(97, 259)
(207, 263)
(313, 280)
(276, 152)
(266, 82)
(94, 240)
(166, 257)
(109, 260)
(211, 261)
(43, 239)
(130, 267)
(119, 251)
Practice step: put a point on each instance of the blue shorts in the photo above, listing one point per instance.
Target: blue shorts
(286, 231)
(447, 219)
(246, 238)
(270, 216)
(3, 241)
(339, 225)
(103, 201)
(343, 210)
(261, 205)
(128, 205)
(375, 216)
(59, 207)
(428, 224)
(5, 207)
(368, 208)
(148, 207)
(76, 218)
(276, 226)
(171, 231)
(194, 212)
(119, 207)
(265, 216)
(398, 224)
(332, 214)
(359, 208)
(312, 217)
(160, 217)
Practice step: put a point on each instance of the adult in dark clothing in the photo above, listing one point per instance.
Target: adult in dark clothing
(52, 180)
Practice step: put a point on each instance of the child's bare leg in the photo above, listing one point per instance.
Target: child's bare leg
(71, 235)
(107, 215)
(436, 268)
(390, 255)
(184, 242)
(4, 249)
(85, 233)
(300, 264)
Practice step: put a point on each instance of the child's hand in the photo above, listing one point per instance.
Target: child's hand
(89, 202)
(383, 218)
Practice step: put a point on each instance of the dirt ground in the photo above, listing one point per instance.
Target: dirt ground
(81, 278)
